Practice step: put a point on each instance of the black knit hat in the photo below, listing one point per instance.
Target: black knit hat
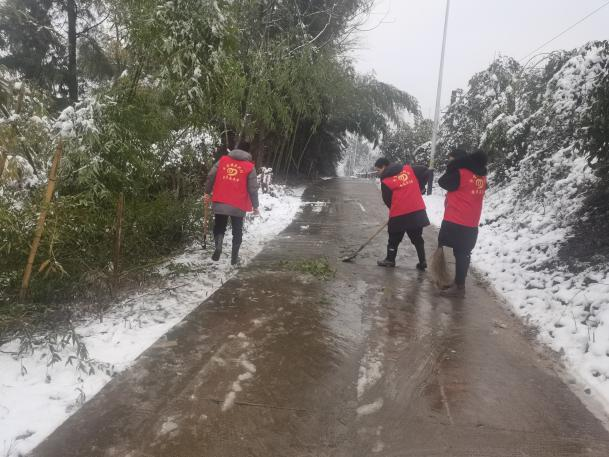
(382, 162)
(457, 153)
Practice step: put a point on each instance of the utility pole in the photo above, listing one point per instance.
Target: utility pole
(436, 124)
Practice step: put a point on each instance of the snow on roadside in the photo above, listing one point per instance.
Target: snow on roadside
(517, 239)
(36, 397)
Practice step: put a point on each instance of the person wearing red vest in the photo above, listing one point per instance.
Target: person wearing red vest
(402, 187)
(232, 186)
(466, 183)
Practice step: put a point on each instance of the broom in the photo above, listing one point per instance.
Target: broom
(353, 255)
(439, 270)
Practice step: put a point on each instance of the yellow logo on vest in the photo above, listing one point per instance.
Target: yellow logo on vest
(404, 179)
(479, 185)
(233, 172)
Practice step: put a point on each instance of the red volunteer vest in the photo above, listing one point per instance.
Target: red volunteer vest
(230, 186)
(406, 196)
(464, 205)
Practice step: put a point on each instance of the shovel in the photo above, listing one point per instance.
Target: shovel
(354, 255)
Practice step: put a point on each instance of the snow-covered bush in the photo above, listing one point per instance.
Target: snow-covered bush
(525, 115)
(110, 148)
(481, 116)
(545, 129)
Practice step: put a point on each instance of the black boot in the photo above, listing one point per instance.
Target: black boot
(422, 265)
(218, 239)
(389, 261)
(234, 259)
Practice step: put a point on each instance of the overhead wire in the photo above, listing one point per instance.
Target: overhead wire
(568, 29)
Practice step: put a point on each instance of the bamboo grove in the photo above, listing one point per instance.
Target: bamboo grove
(135, 94)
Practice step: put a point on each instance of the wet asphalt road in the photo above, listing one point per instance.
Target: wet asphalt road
(370, 363)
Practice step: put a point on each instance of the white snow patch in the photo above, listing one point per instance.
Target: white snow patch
(218, 360)
(316, 207)
(370, 371)
(229, 401)
(249, 366)
(168, 426)
(245, 376)
(371, 364)
(371, 408)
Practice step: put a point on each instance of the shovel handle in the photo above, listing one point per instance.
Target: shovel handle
(371, 238)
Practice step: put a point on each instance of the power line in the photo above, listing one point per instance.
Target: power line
(566, 30)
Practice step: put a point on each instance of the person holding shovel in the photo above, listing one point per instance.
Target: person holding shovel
(465, 183)
(232, 186)
(402, 187)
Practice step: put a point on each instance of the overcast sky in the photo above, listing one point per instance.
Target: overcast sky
(404, 50)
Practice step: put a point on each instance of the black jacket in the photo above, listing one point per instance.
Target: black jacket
(409, 221)
(476, 163)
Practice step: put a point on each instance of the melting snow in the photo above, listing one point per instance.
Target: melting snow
(371, 408)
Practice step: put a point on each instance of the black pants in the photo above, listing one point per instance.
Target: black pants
(462, 239)
(220, 223)
(415, 235)
(416, 238)
(462, 260)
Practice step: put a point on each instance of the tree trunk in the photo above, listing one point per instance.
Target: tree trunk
(41, 218)
(72, 75)
(304, 150)
(278, 155)
(291, 153)
(118, 237)
(15, 132)
(2, 162)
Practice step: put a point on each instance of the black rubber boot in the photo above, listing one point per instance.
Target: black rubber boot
(218, 239)
(389, 261)
(234, 259)
(422, 265)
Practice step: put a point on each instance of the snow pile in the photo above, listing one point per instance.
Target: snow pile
(51, 379)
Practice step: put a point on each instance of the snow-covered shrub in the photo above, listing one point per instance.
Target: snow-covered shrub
(482, 116)
(596, 119)
(113, 147)
(545, 129)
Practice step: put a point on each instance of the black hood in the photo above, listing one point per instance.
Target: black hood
(392, 169)
(474, 162)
